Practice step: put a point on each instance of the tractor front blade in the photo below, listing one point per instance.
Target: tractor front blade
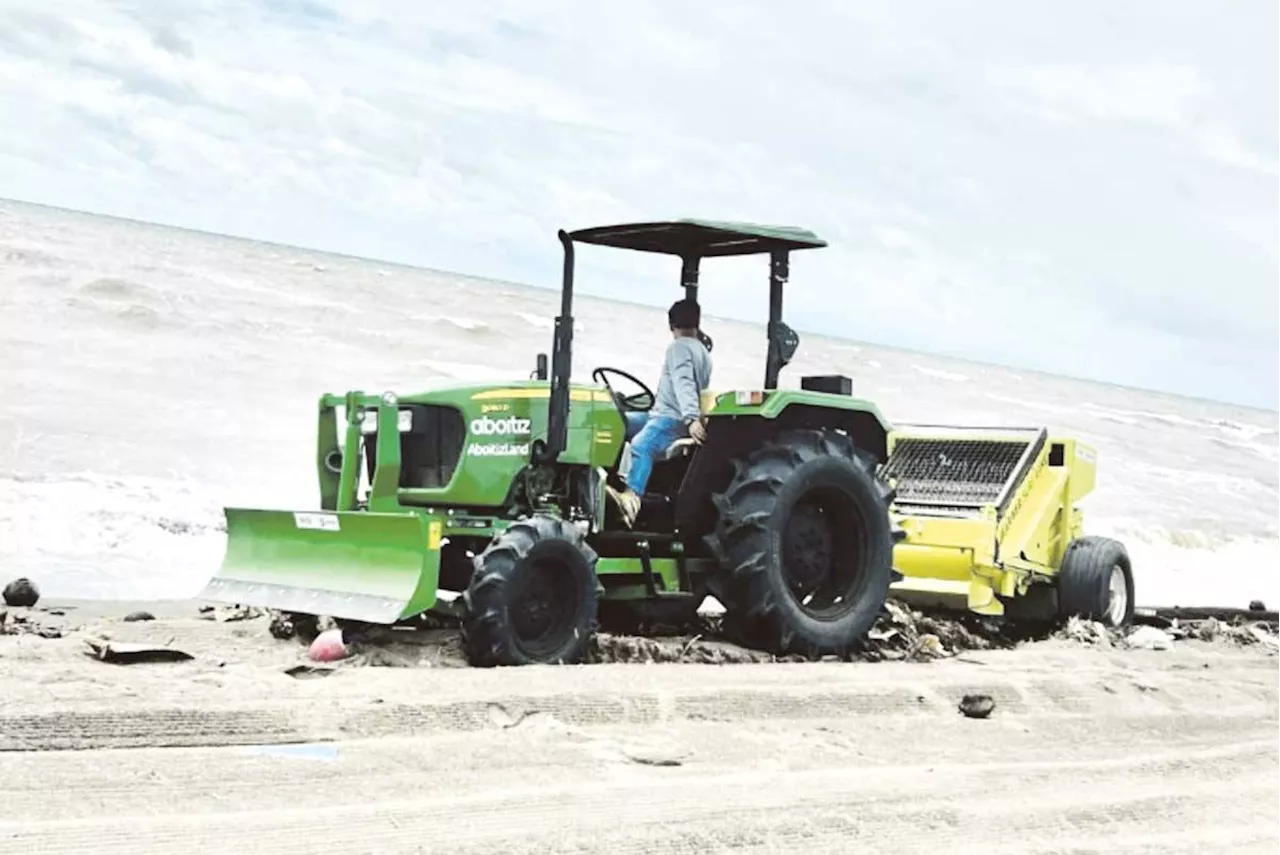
(376, 568)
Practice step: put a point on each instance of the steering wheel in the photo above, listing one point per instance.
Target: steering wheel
(639, 402)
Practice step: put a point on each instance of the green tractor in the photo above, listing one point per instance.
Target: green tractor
(489, 504)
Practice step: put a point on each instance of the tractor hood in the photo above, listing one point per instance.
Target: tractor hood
(451, 446)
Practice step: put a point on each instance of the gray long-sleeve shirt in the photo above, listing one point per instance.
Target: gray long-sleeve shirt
(686, 372)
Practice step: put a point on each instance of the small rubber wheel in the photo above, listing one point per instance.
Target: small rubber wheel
(533, 597)
(1096, 581)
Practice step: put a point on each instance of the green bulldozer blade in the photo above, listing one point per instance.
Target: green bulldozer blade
(370, 567)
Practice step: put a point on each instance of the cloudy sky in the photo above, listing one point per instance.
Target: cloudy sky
(1087, 188)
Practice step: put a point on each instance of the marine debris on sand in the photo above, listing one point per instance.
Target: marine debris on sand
(125, 653)
(228, 614)
(26, 622)
(900, 634)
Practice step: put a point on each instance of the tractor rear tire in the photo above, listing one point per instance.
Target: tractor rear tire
(533, 596)
(1095, 581)
(806, 505)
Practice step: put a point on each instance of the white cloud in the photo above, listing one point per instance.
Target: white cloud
(1226, 149)
(1097, 190)
(1157, 93)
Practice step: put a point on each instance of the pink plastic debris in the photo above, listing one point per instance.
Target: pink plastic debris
(328, 646)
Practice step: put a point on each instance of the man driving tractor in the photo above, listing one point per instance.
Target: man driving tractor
(677, 407)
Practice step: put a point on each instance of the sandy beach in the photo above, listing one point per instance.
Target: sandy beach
(249, 746)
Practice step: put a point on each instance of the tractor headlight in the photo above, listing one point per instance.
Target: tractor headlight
(369, 421)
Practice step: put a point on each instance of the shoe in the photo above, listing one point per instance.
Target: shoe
(628, 504)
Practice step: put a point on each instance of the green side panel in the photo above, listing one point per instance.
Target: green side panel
(603, 431)
(369, 567)
(777, 400)
(665, 569)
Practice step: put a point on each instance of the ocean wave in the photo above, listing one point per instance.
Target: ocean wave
(113, 289)
(127, 301)
(466, 372)
(1268, 450)
(1029, 404)
(26, 257)
(536, 320)
(1119, 419)
(88, 535)
(1246, 433)
(467, 324)
(941, 374)
(288, 295)
(1197, 568)
(545, 323)
(1136, 416)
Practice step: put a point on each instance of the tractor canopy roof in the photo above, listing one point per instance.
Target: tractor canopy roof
(700, 238)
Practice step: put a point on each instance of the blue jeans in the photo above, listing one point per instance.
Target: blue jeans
(634, 421)
(658, 433)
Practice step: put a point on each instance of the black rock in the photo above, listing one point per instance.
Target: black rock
(282, 626)
(21, 593)
(977, 706)
(133, 617)
(1257, 606)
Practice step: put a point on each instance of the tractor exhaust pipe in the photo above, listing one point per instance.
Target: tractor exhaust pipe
(561, 365)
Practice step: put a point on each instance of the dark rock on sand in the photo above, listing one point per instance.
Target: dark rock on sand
(21, 593)
(977, 706)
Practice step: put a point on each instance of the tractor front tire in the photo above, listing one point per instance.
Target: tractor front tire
(533, 597)
(807, 508)
(1095, 581)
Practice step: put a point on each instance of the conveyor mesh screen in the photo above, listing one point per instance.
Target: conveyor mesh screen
(953, 472)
